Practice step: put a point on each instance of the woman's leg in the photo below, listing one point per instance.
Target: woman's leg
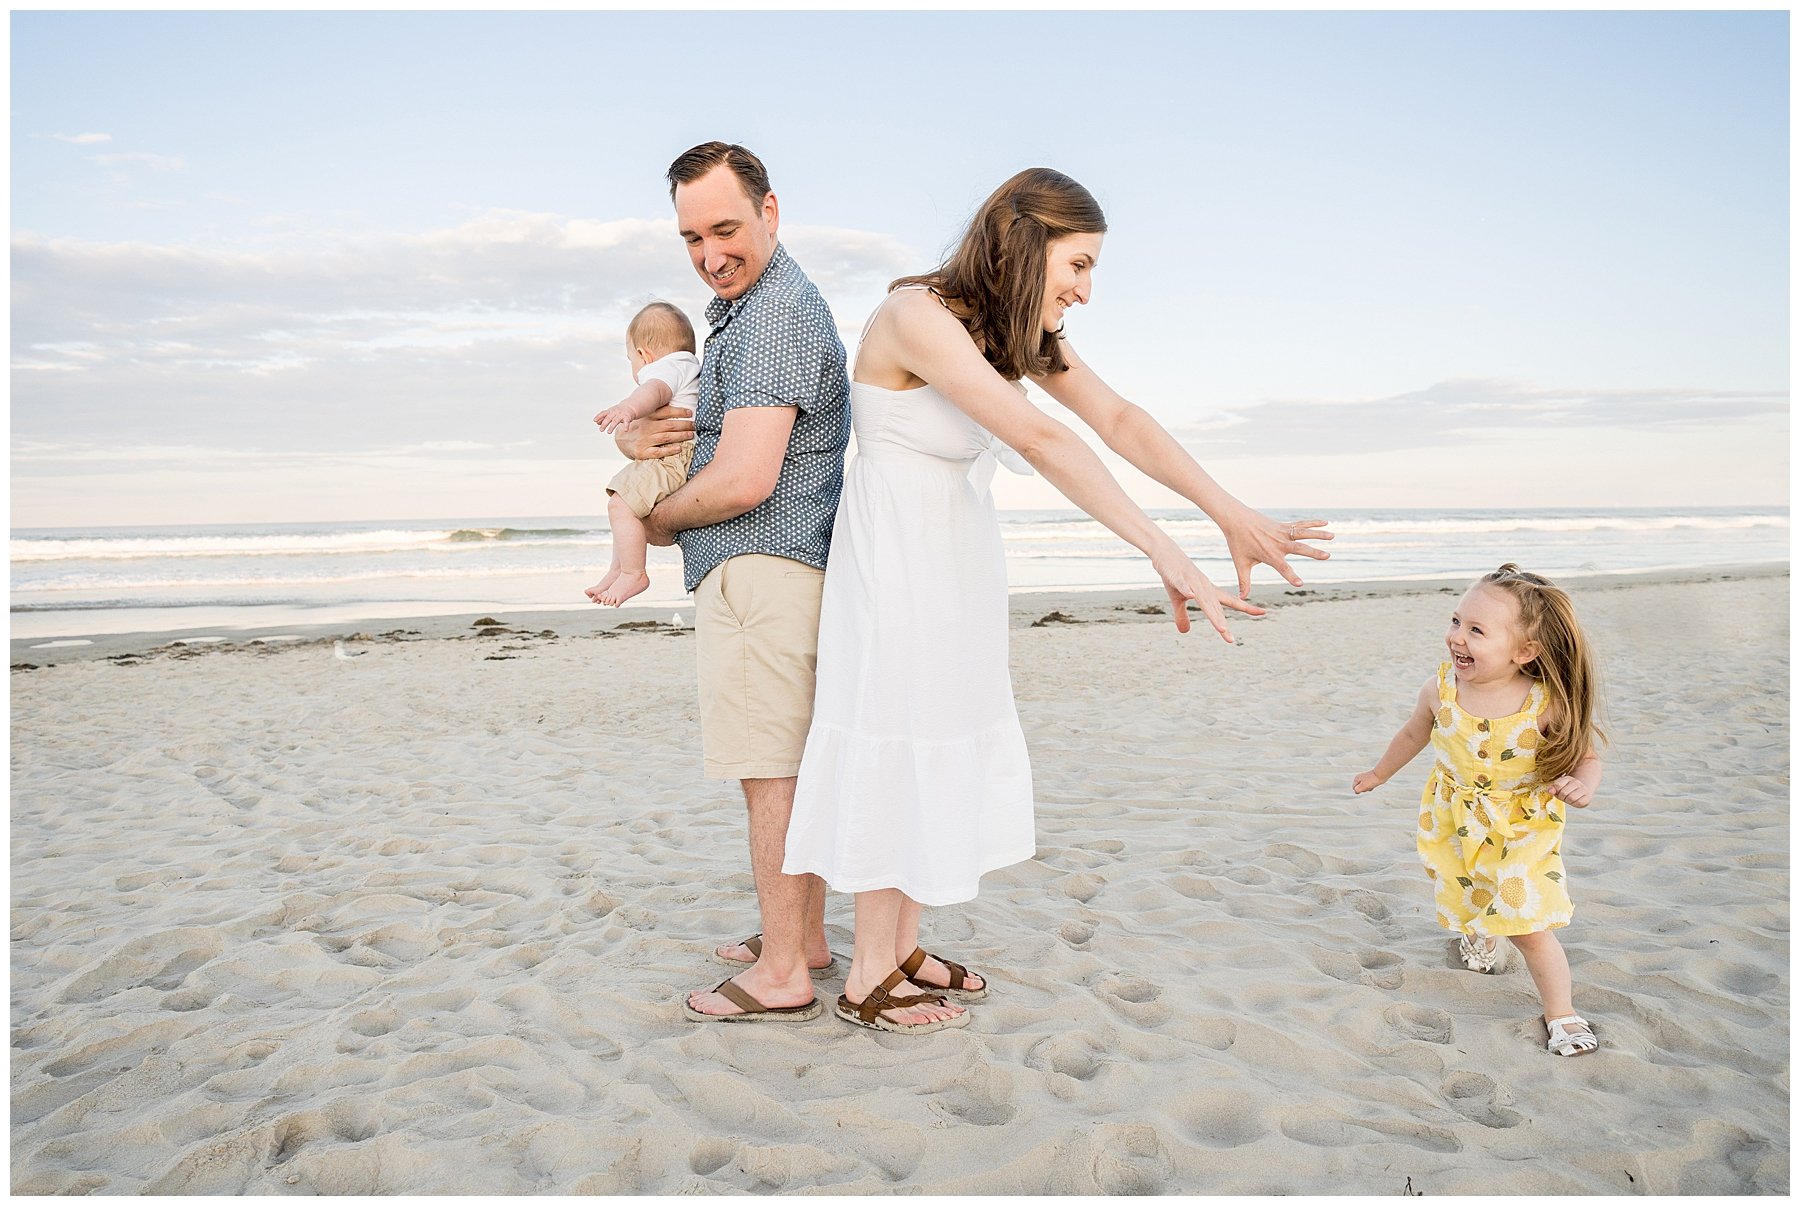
(932, 974)
(878, 916)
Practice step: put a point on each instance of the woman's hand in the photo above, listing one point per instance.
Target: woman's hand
(1184, 582)
(1254, 539)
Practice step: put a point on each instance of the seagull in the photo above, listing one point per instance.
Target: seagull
(342, 654)
(677, 620)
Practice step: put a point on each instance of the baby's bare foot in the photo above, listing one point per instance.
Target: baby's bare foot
(625, 586)
(597, 589)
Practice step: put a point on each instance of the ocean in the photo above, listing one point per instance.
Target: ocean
(90, 581)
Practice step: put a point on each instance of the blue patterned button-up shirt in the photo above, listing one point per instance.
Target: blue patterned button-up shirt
(777, 345)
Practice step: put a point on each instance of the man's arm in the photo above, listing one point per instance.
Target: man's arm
(752, 447)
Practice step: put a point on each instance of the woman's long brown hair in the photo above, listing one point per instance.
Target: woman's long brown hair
(1564, 665)
(994, 280)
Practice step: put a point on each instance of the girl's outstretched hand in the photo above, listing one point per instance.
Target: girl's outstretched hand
(1255, 539)
(1184, 582)
(1367, 781)
(1572, 791)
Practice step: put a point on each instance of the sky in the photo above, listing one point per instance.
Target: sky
(321, 266)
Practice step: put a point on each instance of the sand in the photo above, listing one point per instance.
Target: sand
(417, 920)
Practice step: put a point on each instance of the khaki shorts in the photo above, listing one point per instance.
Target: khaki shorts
(643, 484)
(756, 618)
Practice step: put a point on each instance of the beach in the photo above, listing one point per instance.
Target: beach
(409, 907)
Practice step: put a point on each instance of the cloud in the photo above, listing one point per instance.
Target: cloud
(1450, 412)
(506, 327)
(80, 140)
(160, 163)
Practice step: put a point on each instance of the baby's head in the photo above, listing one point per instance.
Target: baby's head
(657, 330)
(1550, 647)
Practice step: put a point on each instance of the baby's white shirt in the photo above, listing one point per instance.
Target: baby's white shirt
(680, 371)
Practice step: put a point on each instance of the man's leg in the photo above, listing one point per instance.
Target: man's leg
(758, 636)
(780, 977)
(772, 800)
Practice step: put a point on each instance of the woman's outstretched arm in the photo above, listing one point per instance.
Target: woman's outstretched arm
(923, 339)
(1134, 434)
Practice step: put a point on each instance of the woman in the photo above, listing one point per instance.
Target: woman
(915, 779)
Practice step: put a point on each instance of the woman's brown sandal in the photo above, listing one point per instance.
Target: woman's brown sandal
(869, 1012)
(959, 976)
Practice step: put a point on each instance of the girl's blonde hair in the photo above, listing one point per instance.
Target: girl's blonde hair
(994, 280)
(1564, 665)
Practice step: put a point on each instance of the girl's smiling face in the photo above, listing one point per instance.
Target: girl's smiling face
(1485, 643)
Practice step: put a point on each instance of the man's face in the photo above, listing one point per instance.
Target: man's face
(729, 238)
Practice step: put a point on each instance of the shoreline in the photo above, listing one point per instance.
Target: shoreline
(1029, 608)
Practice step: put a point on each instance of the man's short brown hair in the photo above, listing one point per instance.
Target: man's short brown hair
(695, 162)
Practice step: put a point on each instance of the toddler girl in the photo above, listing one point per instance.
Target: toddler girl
(1511, 719)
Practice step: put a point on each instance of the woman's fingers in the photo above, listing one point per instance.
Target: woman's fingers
(1276, 562)
(1177, 605)
(1215, 615)
(1243, 605)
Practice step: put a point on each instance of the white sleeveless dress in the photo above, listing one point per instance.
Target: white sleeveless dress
(915, 774)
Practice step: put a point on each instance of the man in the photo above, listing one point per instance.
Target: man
(754, 524)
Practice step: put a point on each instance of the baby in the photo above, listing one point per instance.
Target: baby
(660, 345)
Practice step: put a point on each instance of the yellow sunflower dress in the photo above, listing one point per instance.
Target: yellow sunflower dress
(1490, 834)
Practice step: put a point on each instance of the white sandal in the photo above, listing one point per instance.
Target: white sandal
(1482, 958)
(1564, 1041)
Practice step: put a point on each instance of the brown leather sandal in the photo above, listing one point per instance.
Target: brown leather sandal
(869, 1012)
(959, 976)
(754, 945)
(754, 1010)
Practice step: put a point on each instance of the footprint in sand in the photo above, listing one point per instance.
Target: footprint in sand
(1081, 887)
(1130, 1159)
(1216, 1033)
(1322, 1128)
(710, 1155)
(1375, 968)
(1069, 1055)
(1075, 933)
(1224, 1119)
(1195, 888)
(1472, 1095)
(373, 1023)
(1305, 860)
(160, 961)
(1133, 997)
(981, 1097)
(1420, 1022)
(1375, 911)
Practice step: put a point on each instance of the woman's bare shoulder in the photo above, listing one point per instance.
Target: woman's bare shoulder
(910, 315)
(913, 304)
